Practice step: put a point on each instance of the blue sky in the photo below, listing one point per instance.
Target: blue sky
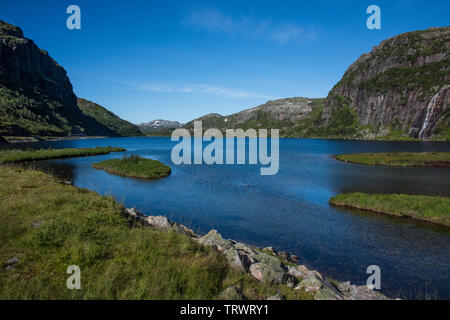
(178, 59)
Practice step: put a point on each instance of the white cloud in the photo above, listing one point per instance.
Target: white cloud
(213, 20)
(202, 88)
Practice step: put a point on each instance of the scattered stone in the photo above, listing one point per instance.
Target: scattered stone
(364, 293)
(159, 222)
(133, 212)
(344, 286)
(232, 293)
(10, 263)
(262, 264)
(268, 271)
(214, 239)
(283, 254)
(310, 282)
(37, 224)
(278, 296)
(293, 271)
(183, 229)
(237, 260)
(269, 250)
(245, 248)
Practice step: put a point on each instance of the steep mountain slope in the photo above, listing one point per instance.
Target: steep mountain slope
(295, 117)
(36, 96)
(116, 125)
(400, 88)
(159, 127)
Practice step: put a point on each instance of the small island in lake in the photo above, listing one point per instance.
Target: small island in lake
(135, 167)
(399, 159)
(424, 208)
(16, 155)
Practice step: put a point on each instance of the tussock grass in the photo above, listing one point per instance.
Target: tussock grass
(49, 225)
(134, 166)
(399, 159)
(425, 208)
(11, 156)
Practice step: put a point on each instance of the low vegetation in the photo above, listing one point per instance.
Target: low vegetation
(11, 156)
(135, 166)
(425, 208)
(108, 119)
(399, 159)
(47, 226)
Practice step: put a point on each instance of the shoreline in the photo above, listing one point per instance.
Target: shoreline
(403, 206)
(266, 264)
(29, 139)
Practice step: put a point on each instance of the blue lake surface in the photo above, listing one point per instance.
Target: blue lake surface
(290, 210)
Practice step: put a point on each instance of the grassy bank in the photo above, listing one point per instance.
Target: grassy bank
(399, 159)
(135, 166)
(49, 225)
(425, 208)
(11, 156)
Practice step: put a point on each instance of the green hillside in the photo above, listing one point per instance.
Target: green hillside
(108, 119)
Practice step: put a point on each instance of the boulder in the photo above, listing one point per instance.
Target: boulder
(310, 282)
(269, 250)
(10, 263)
(293, 271)
(344, 286)
(179, 228)
(214, 239)
(363, 293)
(232, 293)
(237, 260)
(269, 271)
(159, 222)
(283, 254)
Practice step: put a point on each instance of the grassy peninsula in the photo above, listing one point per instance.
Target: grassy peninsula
(135, 166)
(399, 159)
(47, 226)
(11, 156)
(425, 208)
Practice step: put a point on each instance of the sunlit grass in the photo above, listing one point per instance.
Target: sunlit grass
(10, 156)
(135, 166)
(426, 208)
(399, 159)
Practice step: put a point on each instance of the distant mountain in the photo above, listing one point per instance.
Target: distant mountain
(400, 89)
(159, 127)
(295, 117)
(116, 125)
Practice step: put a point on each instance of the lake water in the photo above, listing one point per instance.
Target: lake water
(290, 210)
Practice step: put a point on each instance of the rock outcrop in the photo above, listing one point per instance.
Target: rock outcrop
(36, 95)
(402, 86)
(265, 265)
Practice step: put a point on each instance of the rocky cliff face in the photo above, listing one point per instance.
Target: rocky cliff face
(36, 96)
(401, 86)
(292, 116)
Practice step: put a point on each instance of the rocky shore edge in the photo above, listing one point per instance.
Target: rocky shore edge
(264, 264)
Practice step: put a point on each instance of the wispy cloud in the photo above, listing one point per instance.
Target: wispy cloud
(201, 88)
(213, 20)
